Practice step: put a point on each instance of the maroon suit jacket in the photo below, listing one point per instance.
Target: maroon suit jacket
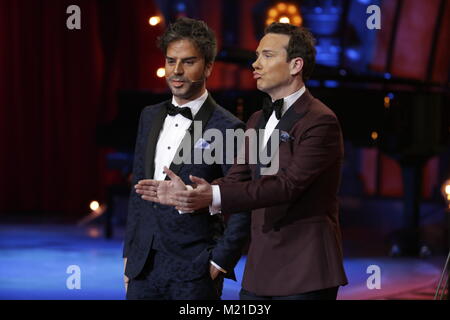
(295, 235)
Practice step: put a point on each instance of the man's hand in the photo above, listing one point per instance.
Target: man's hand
(160, 191)
(191, 200)
(214, 272)
(125, 278)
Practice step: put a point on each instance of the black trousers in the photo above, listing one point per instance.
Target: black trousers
(156, 283)
(324, 294)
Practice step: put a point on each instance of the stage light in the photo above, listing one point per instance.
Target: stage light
(387, 102)
(352, 54)
(297, 21)
(281, 6)
(96, 211)
(273, 13)
(292, 9)
(153, 21)
(161, 72)
(284, 13)
(374, 135)
(94, 205)
(446, 191)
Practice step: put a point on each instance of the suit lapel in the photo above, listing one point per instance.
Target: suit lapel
(261, 124)
(287, 121)
(203, 115)
(152, 140)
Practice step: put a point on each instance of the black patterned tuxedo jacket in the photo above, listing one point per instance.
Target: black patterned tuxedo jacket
(192, 239)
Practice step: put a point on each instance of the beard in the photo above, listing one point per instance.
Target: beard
(188, 88)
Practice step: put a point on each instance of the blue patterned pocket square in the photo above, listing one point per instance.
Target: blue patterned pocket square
(284, 136)
(202, 144)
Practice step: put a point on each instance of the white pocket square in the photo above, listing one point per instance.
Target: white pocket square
(202, 144)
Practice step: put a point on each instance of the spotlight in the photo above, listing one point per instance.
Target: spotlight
(94, 205)
(446, 191)
(96, 211)
(285, 13)
(161, 72)
(153, 21)
(387, 102)
(374, 135)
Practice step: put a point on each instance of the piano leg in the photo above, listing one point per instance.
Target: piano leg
(407, 241)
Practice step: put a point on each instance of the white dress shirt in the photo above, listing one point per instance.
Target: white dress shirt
(172, 133)
(271, 124)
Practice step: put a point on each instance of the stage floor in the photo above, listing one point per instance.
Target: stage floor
(34, 261)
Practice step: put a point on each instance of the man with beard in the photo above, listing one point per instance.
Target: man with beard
(170, 254)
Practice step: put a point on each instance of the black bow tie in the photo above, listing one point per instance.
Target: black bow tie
(269, 107)
(173, 111)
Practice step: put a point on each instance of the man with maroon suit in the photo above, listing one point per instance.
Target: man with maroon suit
(295, 251)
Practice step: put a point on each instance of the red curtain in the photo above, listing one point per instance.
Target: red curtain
(56, 86)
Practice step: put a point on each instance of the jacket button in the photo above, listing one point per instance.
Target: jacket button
(155, 206)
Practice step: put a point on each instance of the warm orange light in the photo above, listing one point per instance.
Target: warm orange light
(269, 21)
(281, 6)
(445, 189)
(374, 135)
(284, 12)
(273, 13)
(292, 9)
(161, 72)
(94, 205)
(387, 102)
(297, 21)
(153, 21)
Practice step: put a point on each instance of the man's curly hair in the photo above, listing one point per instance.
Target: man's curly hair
(301, 44)
(194, 30)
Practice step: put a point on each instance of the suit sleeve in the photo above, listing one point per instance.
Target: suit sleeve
(318, 148)
(135, 201)
(228, 250)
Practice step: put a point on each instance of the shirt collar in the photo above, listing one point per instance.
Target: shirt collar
(194, 105)
(290, 99)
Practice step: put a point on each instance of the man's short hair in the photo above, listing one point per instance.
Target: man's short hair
(193, 30)
(301, 44)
